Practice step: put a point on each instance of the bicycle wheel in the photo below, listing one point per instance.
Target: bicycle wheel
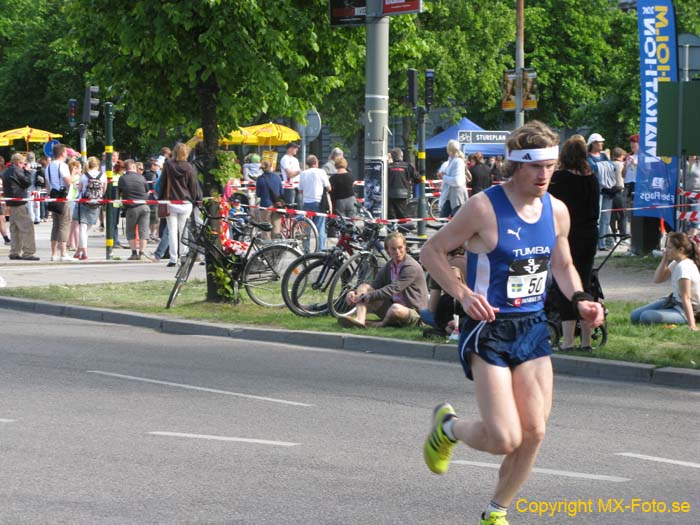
(554, 329)
(359, 269)
(181, 276)
(434, 208)
(262, 275)
(309, 293)
(599, 336)
(291, 274)
(304, 231)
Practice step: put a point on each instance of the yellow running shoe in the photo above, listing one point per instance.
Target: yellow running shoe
(495, 518)
(438, 447)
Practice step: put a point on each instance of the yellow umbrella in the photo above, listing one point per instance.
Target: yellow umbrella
(270, 134)
(232, 139)
(28, 135)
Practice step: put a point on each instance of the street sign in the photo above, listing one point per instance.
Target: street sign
(401, 7)
(482, 136)
(48, 147)
(346, 13)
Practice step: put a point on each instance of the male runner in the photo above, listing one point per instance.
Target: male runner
(515, 233)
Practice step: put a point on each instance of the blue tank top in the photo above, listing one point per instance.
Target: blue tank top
(513, 277)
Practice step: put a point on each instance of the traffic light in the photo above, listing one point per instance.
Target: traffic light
(72, 112)
(413, 87)
(429, 82)
(90, 110)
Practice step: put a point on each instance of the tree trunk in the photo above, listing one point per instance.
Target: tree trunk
(207, 91)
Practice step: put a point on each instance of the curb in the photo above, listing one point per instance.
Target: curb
(589, 367)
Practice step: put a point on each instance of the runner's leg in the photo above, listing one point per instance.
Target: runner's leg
(532, 390)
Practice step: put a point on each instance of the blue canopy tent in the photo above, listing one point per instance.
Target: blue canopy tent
(435, 146)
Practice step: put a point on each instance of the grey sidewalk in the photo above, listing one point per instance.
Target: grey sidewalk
(569, 365)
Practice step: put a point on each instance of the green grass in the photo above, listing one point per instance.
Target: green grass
(652, 344)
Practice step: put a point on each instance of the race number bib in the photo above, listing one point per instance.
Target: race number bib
(527, 280)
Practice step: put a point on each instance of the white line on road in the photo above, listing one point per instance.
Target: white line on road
(565, 473)
(200, 388)
(660, 460)
(7, 420)
(224, 438)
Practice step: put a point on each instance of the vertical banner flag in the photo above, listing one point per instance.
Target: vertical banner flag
(657, 178)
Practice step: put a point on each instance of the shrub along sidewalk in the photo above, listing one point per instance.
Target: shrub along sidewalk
(655, 344)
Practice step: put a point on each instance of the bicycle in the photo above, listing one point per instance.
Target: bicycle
(301, 229)
(305, 283)
(599, 335)
(256, 266)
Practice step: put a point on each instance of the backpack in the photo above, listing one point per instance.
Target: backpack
(93, 190)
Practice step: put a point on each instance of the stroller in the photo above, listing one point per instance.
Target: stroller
(599, 335)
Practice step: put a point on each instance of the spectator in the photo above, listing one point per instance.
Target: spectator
(497, 169)
(400, 180)
(179, 184)
(454, 182)
(604, 169)
(679, 263)
(331, 167)
(398, 293)
(133, 186)
(289, 165)
(75, 169)
(630, 176)
(251, 167)
(441, 306)
(312, 182)
(481, 174)
(268, 190)
(117, 170)
(58, 181)
(32, 165)
(3, 206)
(575, 185)
(41, 188)
(692, 184)
(16, 180)
(93, 184)
(151, 176)
(342, 189)
(618, 225)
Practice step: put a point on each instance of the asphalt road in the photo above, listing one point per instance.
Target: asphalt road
(110, 424)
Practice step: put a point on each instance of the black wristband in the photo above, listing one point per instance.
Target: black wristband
(576, 298)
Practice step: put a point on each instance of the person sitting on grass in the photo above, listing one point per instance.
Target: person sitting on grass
(397, 294)
(679, 263)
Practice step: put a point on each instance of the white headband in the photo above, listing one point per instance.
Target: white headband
(534, 155)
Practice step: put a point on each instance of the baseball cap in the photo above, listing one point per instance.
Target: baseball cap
(595, 137)
(634, 138)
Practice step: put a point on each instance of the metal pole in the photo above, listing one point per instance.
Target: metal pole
(377, 93)
(519, 61)
(111, 191)
(83, 142)
(685, 77)
(421, 112)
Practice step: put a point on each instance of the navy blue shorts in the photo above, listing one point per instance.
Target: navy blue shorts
(508, 341)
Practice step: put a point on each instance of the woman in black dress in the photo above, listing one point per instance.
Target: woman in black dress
(576, 185)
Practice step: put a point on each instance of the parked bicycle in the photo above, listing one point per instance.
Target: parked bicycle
(256, 265)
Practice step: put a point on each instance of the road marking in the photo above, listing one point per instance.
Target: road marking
(224, 438)
(200, 388)
(660, 460)
(7, 420)
(565, 473)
